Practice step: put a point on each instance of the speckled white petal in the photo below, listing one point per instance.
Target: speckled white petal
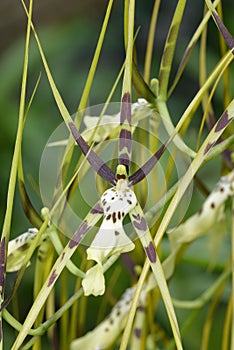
(17, 249)
(209, 216)
(111, 238)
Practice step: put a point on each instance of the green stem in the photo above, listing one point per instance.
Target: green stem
(129, 39)
(13, 174)
(232, 335)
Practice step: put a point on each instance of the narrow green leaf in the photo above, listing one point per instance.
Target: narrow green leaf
(150, 41)
(232, 293)
(13, 173)
(189, 49)
(89, 81)
(141, 86)
(169, 49)
(29, 210)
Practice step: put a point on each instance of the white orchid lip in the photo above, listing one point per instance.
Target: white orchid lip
(111, 238)
(94, 282)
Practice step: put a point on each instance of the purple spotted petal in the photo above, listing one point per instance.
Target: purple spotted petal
(151, 252)
(52, 278)
(125, 114)
(223, 121)
(141, 308)
(208, 147)
(226, 35)
(125, 136)
(77, 237)
(137, 332)
(97, 209)
(142, 226)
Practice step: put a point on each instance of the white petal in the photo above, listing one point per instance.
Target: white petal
(108, 242)
(111, 238)
(94, 282)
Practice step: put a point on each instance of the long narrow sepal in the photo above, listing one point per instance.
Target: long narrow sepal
(224, 31)
(141, 227)
(141, 173)
(97, 163)
(125, 136)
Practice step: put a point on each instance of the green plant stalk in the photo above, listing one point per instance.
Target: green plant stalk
(133, 308)
(193, 104)
(210, 318)
(227, 327)
(48, 323)
(188, 323)
(13, 173)
(223, 50)
(232, 323)
(59, 248)
(42, 268)
(207, 100)
(202, 78)
(129, 42)
(29, 210)
(93, 68)
(221, 147)
(206, 296)
(64, 321)
(150, 42)
(169, 50)
(104, 303)
(189, 49)
(75, 320)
